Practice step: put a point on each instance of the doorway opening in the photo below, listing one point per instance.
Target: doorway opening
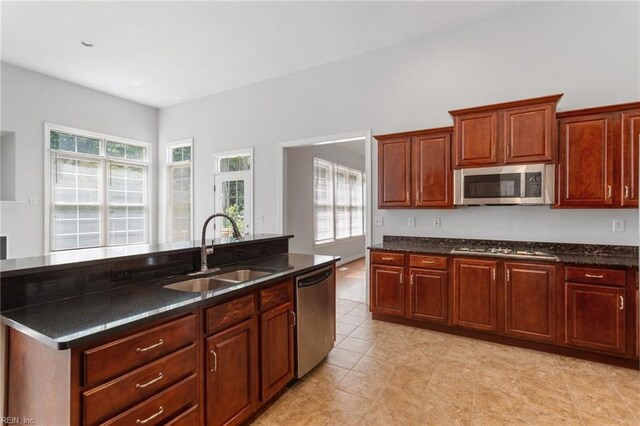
(326, 204)
(233, 191)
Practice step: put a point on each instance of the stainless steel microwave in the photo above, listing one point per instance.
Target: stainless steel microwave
(517, 184)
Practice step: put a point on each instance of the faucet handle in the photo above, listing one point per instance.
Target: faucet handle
(209, 250)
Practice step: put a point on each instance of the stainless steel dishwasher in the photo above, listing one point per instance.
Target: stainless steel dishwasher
(316, 312)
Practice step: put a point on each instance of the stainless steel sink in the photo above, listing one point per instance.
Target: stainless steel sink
(219, 280)
(242, 275)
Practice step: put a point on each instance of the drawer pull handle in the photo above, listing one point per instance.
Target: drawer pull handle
(150, 382)
(148, 419)
(160, 342)
(215, 361)
(428, 262)
(593, 276)
(387, 258)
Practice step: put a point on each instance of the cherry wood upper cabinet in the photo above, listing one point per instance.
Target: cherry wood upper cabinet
(394, 172)
(511, 132)
(598, 164)
(530, 301)
(630, 146)
(414, 169)
(586, 160)
(475, 298)
(387, 290)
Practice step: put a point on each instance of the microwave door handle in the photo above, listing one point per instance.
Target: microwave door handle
(523, 184)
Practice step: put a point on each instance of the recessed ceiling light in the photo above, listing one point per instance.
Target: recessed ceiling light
(86, 43)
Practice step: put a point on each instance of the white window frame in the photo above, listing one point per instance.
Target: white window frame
(218, 155)
(166, 163)
(104, 226)
(334, 239)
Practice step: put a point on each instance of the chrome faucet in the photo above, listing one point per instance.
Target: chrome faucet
(204, 251)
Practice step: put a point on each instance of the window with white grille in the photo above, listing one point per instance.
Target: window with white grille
(179, 192)
(97, 190)
(338, 194)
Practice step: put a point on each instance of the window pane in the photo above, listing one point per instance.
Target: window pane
(88, 145)
(343, 220)
(357, 205)
(115, 149)
(234, 164)
(134, 152)
(127, 213)
(323, 200)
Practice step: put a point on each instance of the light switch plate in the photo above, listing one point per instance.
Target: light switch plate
(618, 225)
(378, 221)
(411, 222)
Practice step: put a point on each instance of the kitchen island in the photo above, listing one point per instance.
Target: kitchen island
(107, 340)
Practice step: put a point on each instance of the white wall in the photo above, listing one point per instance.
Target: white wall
(7, 166)
(589, 51)
(29, 100)
(299, 189)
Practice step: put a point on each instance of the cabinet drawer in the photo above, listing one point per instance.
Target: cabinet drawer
(188, 418)
(380, 258)
(158, 409)
(595, 276)
(115, 358)
(230, 313)
(114, 397)
(276, 295)
(429, 262)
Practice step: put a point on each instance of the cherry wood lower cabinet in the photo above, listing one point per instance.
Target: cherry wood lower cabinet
(277, 344)
(595, 317)
(428, 299)
(231, 374)
(475, 298)
(387, 290)
(530, 301)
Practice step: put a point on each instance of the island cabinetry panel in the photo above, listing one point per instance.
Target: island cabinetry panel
(475, 298)
(414, 169)
(277, 331)
(231, 373)
(507, 133)
(530, 301)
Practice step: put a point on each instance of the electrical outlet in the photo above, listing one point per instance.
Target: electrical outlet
(436, 222)
(378, 221)
(618, 225)
(122, 274)
(411, 222)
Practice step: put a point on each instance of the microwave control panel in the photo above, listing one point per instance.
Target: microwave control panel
(533, 184)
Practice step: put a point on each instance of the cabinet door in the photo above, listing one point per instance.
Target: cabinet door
(476, 139)
(630, 146)
(595, 317)
(394, 173)
(387, 290)
(474, 292)
(528, 134)
(276, 331)
(231, 370)
(432, 174)
(586, 161)
(428, 295)
(530, 297)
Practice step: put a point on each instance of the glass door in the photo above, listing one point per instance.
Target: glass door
(233, 194)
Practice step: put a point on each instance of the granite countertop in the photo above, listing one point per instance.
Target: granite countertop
(72, 322)
(577, 254)
(60, 260)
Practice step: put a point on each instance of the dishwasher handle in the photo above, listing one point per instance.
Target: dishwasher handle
(314, 278)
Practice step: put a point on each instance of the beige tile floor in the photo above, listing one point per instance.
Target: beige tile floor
(388, 374)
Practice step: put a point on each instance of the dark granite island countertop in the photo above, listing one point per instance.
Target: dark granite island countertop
(74, 321)
(577, 254)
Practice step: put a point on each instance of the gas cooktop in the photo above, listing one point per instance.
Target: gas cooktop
(504, 252)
